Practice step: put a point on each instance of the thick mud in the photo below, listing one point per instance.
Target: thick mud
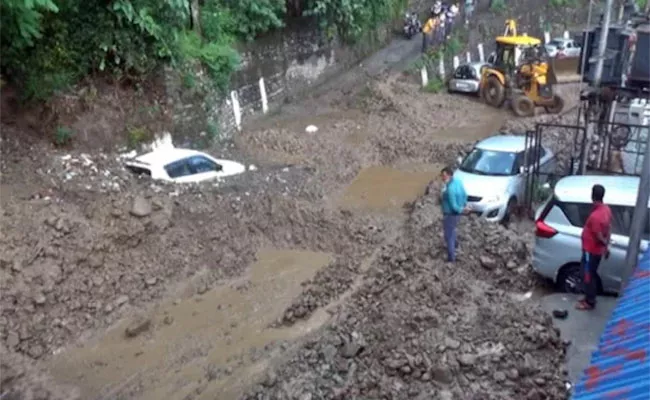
(322, 263)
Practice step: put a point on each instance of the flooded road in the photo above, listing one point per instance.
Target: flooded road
(206, 343)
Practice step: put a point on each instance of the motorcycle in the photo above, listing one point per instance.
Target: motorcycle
(412, 25)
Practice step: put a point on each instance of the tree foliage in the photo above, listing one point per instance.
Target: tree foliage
(48, 45)
(351, 19)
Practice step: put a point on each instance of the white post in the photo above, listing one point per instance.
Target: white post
(265, 101)
(425, 76)
(547, 37)
(481, 53)
(236, 109)
(441, 68)
(468, 55)
(456, 62)
(566, 35)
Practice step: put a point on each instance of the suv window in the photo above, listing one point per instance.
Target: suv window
(178, 169)
(577, 214)
(200, 164)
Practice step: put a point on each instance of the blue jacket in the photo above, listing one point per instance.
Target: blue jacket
(454, 198)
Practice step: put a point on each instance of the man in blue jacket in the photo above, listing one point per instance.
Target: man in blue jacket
(454, 204)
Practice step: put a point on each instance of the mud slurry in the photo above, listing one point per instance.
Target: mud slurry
(383, 188)
(220, 325)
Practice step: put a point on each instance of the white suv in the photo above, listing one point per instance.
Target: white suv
(558, 230)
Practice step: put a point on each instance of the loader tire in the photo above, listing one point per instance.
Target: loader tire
(493, 93)
(557, 107)
(523, 106)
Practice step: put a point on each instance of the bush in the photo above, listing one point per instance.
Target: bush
(498, 6)
(352, 20)
(435, 85)
(63, 136)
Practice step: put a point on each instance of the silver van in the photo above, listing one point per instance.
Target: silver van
(558, 229)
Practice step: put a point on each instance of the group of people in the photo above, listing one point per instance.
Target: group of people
(439, 25)
(595, 233)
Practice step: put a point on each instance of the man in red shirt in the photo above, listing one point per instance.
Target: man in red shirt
(595, 245)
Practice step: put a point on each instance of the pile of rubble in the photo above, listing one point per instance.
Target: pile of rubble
(492, 252)
(421, 329)
(80, 265)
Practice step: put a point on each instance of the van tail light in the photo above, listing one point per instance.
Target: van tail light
(542, 230)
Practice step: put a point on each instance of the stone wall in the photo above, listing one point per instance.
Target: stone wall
(290, 61)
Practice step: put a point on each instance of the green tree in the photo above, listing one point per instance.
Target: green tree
(21, 19)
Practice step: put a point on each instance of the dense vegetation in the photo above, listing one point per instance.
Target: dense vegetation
(47, 45)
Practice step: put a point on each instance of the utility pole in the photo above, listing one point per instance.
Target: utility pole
(598, 75)
(639, 218)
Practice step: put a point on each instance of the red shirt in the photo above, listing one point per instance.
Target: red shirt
(599, 221)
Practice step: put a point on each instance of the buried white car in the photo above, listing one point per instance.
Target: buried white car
(182, 166)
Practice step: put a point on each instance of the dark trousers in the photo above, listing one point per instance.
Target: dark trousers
(449, 224)
(590, 263)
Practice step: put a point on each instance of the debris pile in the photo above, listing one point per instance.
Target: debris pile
(494, 253)
(420, 329)
(72, 267)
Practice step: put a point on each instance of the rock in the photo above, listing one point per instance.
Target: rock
(452, 343)
(533, 394)
(137, 327)
(121, 300)
(16, 266)
(151, 281)
(35, 351)
(442, 374)
(513, 374)
(467, 360)
(499, 376)
(168, 320)
(13, 340)
(39, 299)
(141, 207)
(270, 379)
(445, 395)
(488, 262)
(511, 265)
(350, 349)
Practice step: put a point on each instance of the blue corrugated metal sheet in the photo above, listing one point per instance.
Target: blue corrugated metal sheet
(620, 368)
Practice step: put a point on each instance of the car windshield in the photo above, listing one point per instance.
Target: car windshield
(489, 162)
(556, 43)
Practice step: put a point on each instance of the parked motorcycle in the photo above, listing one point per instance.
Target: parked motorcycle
(412, 25)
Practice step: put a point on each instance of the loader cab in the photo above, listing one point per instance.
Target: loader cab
(509, 51)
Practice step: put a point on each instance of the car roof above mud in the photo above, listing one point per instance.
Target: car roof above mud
(619, 190)
(165, 156)
(511, 143)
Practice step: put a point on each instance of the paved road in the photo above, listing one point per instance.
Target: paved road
(582, 328)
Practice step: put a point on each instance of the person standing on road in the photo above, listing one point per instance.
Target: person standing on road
(595, 245)
(454, 204)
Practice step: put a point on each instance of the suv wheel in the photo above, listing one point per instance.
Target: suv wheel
(569, 280)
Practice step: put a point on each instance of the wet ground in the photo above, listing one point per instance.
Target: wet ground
(216, 285)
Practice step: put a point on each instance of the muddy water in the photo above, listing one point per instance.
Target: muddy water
(200, 345)
(380, 188)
